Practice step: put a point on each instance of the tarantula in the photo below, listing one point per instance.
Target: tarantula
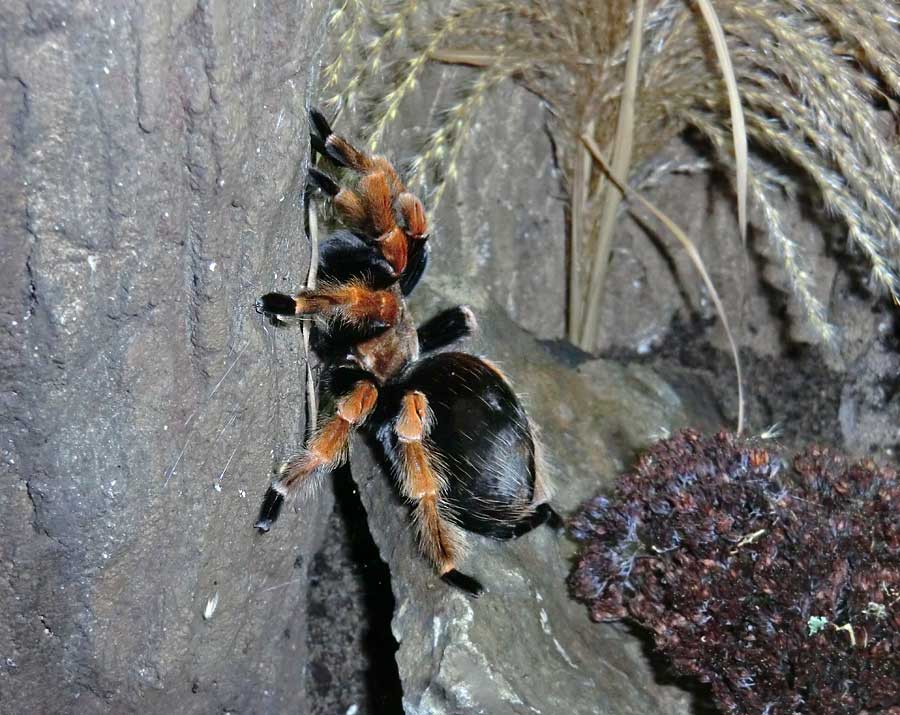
(461, 446)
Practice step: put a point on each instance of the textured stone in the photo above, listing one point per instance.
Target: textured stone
(152, 156)
(501, 224)
(870, 402)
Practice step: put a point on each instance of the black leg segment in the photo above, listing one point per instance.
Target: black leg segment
(321, 130)
(276, 304)
(552, 518)
(447, 327)
(465, 583)
(543, 514)
(324, 182)
(318, 145)
(320, 124)
(269, 510)
(345, 256)
(415, 267)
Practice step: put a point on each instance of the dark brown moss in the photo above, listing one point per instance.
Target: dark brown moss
(779, 586)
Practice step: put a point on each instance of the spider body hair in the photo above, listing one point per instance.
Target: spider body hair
(461, 447)
(484, 437)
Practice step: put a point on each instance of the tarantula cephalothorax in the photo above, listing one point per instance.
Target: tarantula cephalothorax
(461, 446)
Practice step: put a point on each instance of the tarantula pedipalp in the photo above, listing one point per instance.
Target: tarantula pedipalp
(461, 446)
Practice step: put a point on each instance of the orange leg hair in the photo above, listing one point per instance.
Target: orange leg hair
(394, 249)
(390, 193)
(328, 447)
(352, 210)
(376, 196)
(352, 302)
(369, 208)
(372, 208)
(371, 212)
(362, 163)
(379, 205)
(413, 214)
(420, 481)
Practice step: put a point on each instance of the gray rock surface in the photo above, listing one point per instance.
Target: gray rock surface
(501, 224)
(525, 646)
(870, 402)
(150, 161)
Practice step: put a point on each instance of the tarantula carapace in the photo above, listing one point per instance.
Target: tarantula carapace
(461, 446)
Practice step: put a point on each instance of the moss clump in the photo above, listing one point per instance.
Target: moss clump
(779, 587)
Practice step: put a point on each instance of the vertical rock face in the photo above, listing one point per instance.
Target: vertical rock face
(151, 158)
(502, 223)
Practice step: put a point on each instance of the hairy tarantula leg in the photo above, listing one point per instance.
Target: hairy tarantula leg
(379, 198)
(415, 268)
(376, 195)
(378, 207)
(320, 124)
(321, 180)
(368, 212)
(328, 447)
(276, 304)
(337, 149)
(394, 249)
(351, 208)
(552, 517)
(464, 582)
(353, 302)
(412, 214)
(420, 481)
(349, 204)
(343, 153)
(447, 327)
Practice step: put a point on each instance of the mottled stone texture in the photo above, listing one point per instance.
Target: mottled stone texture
(151, 158)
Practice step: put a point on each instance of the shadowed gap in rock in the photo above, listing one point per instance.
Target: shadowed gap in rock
(350, 608)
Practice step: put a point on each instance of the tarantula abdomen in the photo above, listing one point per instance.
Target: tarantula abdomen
(482, 439)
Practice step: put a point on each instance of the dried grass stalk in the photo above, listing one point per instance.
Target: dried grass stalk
(693, 254)
(624, 143)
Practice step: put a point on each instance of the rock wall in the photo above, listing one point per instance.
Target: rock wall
(151, 158)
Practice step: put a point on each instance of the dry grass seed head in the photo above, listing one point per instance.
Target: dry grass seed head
(811, 72)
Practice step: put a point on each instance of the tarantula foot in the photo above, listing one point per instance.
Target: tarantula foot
(276, 304)
(320, 123)
(447, 327)
(465, 583)
(319, 180)
(269, 510)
